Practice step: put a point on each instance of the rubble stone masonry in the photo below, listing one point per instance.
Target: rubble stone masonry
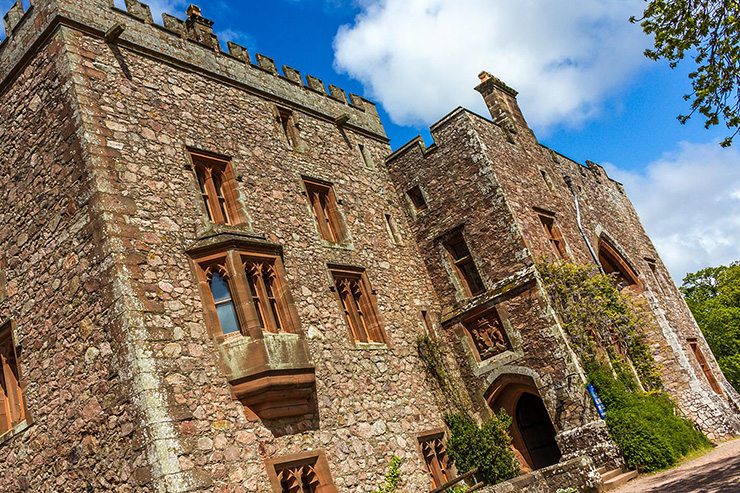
(127, 386)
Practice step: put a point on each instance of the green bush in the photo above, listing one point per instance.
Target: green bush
(392, 477)
(487, 448)
(644, 425)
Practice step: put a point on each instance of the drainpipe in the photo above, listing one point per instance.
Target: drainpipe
(569, 182)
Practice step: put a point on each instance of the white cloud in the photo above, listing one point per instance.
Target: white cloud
(689, 201)
(420, 58)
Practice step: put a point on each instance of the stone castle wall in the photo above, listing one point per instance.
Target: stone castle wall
(59, 295)
(100, 206)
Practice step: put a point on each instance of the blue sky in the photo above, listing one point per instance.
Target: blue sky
(584, 86)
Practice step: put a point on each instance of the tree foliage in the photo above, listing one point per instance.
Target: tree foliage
(708, 31)
(713, 295)
(601, 319)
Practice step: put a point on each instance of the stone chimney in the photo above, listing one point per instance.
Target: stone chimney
(200, 29)
(501, 102)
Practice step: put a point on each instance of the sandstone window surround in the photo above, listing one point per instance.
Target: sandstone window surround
(251, 315)
(463, 265)
(301, 473)
(653, 266)
(359, 305)
(546, 179)
(554, 236)
(13, 413)
(245, 293)
(218, 188)
(325, 209)
(704, 365)
(289, 126)
(486, 335)
(392, 228)
(615, 264)
(426, 318)
(417, 198)
(434, 451)
(367, 158)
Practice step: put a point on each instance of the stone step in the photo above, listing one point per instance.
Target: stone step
(617, 481)
(613, 473)
(602, 470)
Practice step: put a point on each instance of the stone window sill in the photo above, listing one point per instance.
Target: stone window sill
(348, 246)
(371, 346)
(15, 431)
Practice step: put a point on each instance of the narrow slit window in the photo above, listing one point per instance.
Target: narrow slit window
(704, 365)
(217, 187)
(367, 158)
(428, 324)
(390, 224)
(225, 309)
(358, 306)
(416, 196)
(464, 265)
(287, 123)
(12, 405)
(434, 452)
(546, 179)
(554, 237)
(323, 204)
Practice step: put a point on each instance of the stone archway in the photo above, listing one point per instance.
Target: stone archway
(532, 431)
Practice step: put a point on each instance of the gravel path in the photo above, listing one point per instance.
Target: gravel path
(718, 471)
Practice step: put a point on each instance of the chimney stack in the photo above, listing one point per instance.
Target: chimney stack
(501, 102)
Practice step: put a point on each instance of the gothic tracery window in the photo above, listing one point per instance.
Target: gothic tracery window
(12, 406)
(245, 292)
(305, 473)
(358, 305)
(218, 279)
(216, 182)
(325, 210)
(434, 451)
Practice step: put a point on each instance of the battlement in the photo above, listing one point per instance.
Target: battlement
(191, 41)
(591, 171)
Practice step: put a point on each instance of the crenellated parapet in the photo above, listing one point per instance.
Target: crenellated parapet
(189, 42)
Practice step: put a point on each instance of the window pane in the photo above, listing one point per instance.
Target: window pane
(227, 317)
(219, 288)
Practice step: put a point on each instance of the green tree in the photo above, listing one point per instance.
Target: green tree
(708, 31)
(713, 295)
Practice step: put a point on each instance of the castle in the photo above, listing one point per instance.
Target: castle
(213, 273)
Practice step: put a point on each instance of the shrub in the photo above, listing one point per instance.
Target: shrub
(487, 448)
(644, 425)
(392, 477)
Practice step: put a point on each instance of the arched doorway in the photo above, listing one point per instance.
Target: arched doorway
(537, 431)
(532, 431)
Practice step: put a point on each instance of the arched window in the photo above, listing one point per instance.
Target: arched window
(225, 309)
(614, 264)
(217, 185)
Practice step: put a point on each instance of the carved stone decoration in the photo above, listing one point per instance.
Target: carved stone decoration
(488, 335)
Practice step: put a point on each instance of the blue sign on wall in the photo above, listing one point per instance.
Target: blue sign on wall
(600, 408)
